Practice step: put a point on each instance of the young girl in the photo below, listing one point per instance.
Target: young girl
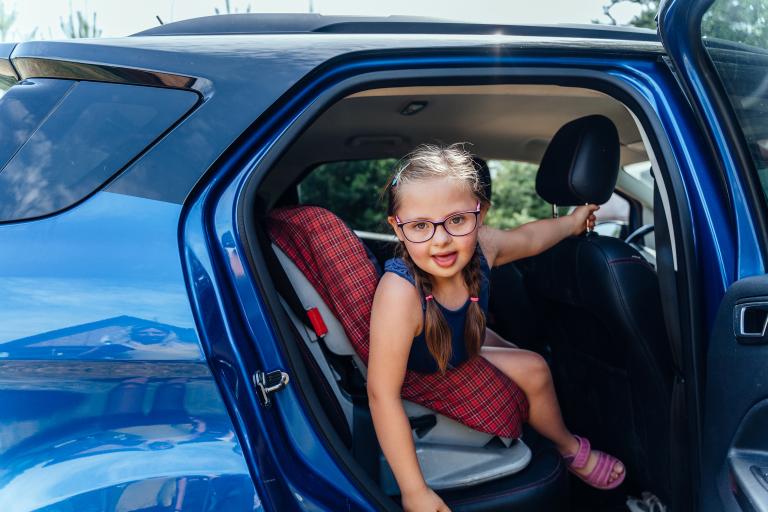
(428, 313)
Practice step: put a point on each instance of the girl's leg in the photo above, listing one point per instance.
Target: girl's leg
(530, 371)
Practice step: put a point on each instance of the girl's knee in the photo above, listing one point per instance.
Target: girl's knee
(537, 370)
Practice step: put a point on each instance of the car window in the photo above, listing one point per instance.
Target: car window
(736, 39)
(514, 196)
(63, 139)
(352, 190)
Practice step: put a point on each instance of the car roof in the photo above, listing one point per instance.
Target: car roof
(306, 23)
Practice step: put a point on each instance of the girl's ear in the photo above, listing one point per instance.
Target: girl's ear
(393, 223)
(484, 211)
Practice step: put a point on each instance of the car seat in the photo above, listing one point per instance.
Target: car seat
(611, 357)
(333, 281)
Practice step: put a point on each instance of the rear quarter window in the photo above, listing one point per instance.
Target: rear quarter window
(63, 139)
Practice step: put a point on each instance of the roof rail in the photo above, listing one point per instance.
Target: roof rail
(306, 23)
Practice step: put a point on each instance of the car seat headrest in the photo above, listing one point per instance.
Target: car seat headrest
(581, 163)
(334, 261)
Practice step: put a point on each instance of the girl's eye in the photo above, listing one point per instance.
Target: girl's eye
(458, 219)
(420, 225)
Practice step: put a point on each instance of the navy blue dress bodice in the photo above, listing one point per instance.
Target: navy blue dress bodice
(419, 359)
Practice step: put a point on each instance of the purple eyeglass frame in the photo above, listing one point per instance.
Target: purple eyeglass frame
(400, 224)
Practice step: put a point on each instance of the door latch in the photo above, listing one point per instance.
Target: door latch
(268, 383)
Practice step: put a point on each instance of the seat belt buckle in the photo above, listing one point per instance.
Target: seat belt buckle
(318, 324)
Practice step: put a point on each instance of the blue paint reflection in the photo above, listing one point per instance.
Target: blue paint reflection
(100, 281)
(117, 436)
(122, 337)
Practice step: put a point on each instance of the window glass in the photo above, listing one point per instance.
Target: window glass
(85, 138)
(513, 195)
(735, 35)
(23, 109)
(351, 190)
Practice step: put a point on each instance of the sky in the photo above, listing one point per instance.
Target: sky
(120, 18)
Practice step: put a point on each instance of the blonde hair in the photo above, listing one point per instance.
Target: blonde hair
(453, 162)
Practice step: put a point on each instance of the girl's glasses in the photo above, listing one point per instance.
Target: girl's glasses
(456, 224)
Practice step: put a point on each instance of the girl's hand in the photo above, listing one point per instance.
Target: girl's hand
(581, 216)
(424, 500)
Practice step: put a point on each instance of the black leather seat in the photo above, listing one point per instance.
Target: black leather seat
(610, 354)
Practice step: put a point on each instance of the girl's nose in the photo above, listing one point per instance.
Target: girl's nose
(441, 236)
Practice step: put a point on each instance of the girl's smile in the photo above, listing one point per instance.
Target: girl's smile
(445, 260)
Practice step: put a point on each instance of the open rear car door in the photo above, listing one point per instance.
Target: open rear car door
(719, 50)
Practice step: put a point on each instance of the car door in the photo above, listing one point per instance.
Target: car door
(719, 51)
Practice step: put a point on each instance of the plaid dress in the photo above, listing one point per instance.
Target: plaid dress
(336, 263)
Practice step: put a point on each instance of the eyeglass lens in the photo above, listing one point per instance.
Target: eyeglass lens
(460, 224)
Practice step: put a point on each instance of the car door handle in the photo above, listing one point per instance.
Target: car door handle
(751, 323)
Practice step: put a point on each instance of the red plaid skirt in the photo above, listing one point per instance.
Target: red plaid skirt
(335, 262)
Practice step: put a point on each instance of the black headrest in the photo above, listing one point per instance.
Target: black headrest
(581, 163)
(485, 175)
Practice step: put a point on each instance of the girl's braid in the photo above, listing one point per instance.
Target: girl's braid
(437, 333)
(474, 326)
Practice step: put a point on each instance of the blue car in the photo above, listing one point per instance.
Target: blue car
(167, 344)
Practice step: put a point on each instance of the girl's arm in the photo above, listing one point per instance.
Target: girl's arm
(503, 246)
(395, 320)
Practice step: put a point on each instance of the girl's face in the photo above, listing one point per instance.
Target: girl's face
(444, 255)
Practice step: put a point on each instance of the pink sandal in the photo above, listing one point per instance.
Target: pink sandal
(599, 476)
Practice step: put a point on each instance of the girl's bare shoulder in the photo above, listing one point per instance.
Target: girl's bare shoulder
(396, 302)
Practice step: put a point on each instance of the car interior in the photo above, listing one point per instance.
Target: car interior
(590, 305)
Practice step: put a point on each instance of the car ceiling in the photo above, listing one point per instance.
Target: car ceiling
(503, 121)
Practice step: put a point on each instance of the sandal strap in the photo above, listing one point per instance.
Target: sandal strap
(581, 457)
(602, 471)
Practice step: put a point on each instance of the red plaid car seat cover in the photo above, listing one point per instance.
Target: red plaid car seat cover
(335, 262)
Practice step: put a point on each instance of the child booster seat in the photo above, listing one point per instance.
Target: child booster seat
(470, 408)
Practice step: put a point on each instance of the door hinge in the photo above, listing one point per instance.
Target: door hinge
(268, 383)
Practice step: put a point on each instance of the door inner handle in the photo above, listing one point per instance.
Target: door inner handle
(752, 323)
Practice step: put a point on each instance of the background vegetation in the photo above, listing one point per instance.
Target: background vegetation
(353, 191)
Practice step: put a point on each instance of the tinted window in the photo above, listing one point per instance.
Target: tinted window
(351, 190)
(736, 38)
(513, 195)
(23, 108)
(83, 139)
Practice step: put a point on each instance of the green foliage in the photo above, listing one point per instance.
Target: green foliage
(514, 200)
(741, 21)
(78, 26)
(351, 190)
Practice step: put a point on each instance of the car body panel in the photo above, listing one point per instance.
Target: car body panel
(102, 378)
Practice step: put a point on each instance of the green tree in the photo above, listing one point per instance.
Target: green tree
(514, 199)
(77, 25)
(352, 190)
